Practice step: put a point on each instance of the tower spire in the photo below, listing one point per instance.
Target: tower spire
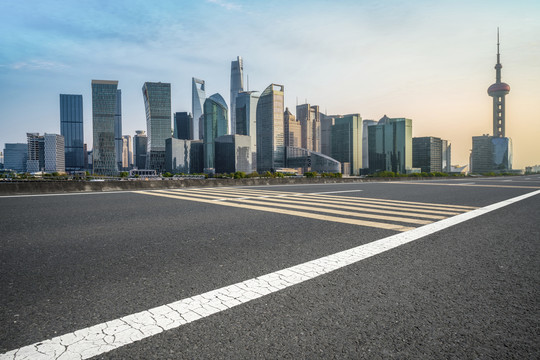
(498, 66)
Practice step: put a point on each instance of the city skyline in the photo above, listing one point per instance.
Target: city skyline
(400, 59)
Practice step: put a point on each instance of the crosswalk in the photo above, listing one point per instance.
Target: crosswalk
(394, 215)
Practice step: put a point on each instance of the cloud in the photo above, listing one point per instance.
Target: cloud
(37, 65)
(225, 4)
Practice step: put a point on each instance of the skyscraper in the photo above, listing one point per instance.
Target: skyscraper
(390, 145)
(104, 104)
(310, 123)
(54, 153)
(118, 142)
(246, 120)
(292, 129)
(427, 154)
(237, 85)
(198, 96)
(157, 102)
(270, 131)
(346, 140)
(140, 142)
(365, 142)
(215, 124)
(71, 128)
(183, 123)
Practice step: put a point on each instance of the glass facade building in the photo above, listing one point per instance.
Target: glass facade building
(346, 142)
(427, 154)
(104, 105)
(308, 116)
(233, 153)
(390, 145)
(237, 85)
(365, 142)
(246, 120)
(491, 154)
(15, 156)
(270, 129)
(157, 102)
(198, 96)
(183, 156)
(71, 128)
(309, 160)
(215, 124)
(327, 122)
(183, 123)
(140, 142)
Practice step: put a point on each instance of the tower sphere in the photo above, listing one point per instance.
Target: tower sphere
(498, 89)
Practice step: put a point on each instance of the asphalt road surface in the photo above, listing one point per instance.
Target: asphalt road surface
(425, 269)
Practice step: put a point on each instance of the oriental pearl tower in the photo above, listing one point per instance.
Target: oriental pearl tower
(498, 91)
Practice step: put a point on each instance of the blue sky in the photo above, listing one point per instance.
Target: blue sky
(431, 61)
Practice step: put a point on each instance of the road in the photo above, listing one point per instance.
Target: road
(120, 275)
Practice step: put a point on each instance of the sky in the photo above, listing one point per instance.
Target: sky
(429, 61)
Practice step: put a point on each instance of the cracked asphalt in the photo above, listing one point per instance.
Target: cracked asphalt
(68, 263)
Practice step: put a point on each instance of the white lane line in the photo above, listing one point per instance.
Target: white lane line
(332, 192)
(104, 337)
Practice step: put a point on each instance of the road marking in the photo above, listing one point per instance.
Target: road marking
(475, 185)
(339, 205)
(316, 204)
(110, 335)
(283, 211)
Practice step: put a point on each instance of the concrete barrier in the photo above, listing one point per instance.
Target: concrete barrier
(53, 187)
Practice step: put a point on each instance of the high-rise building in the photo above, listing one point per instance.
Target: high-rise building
(270, 131)
(15, 156)
(237, 85)
(157, 102)
(446, 156)
(127, 154)
(308, 116)
(246, 120)
(427, 154)
(183, 156)
(71, 128)
(491, 154)
(233, 153)
(292, 129)
(198, 96)
(215, 124)
(327, 122)
(104, 93)
(140, 142)
(36, 152)
(346, 142)
(365, 142)
(183, 123)
(54, 153)
(390, 145)
(118, 141)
